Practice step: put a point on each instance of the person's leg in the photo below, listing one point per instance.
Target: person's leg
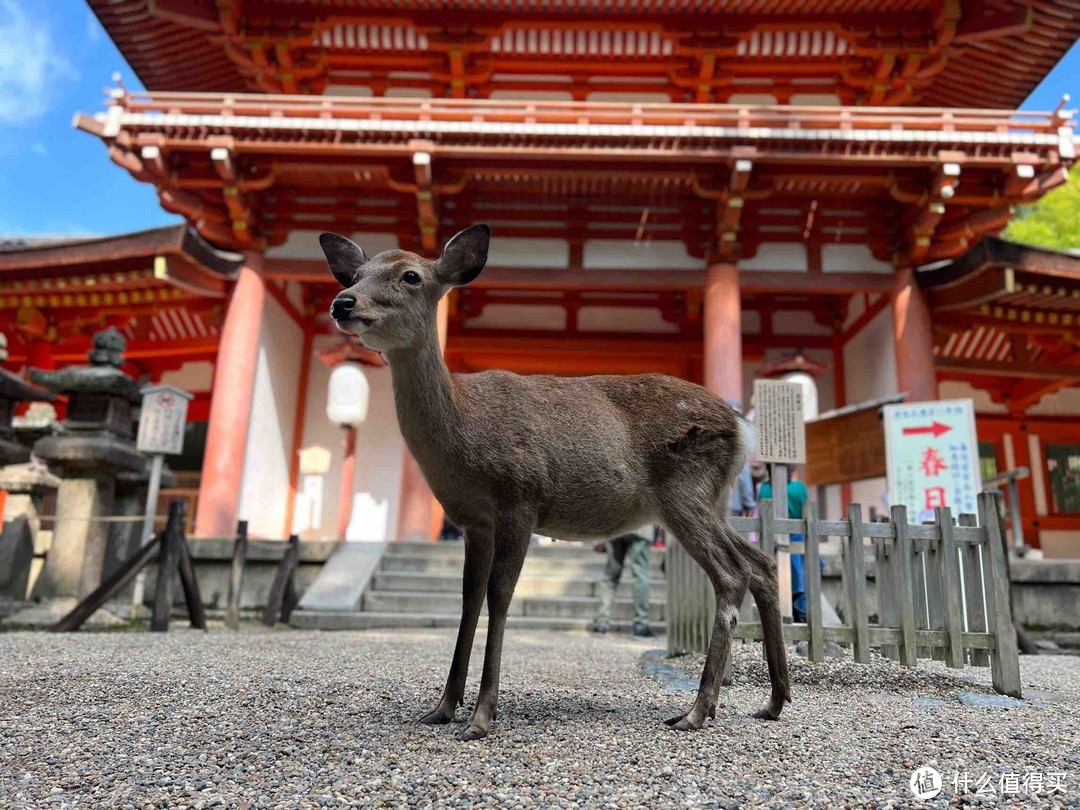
(639, 559)
(798, 582)
(616, 553)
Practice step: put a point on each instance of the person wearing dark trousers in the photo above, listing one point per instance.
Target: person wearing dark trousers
(628, 550)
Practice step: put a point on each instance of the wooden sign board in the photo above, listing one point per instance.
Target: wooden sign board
(162, 420)
(778, 418)
(844, 448)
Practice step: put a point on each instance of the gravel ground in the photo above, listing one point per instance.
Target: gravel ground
(298, 719)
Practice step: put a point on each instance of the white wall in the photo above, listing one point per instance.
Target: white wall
(869, 373)
(265, 484)
(379, 449)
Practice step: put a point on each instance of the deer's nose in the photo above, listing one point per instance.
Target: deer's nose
(341, 309)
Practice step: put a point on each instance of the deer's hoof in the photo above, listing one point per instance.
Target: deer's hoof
(687, 724)
(671, 721)
(768, 713)
(436, 718)
(472, 733)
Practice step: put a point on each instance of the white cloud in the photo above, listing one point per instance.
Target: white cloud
(30, 65)
(38, 148)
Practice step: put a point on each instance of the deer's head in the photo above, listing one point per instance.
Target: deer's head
(390, 300)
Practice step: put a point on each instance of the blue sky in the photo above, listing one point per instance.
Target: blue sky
(55, 60)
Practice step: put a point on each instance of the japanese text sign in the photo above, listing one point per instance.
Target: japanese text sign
(778, 418)
(932, 457)
(161, 424)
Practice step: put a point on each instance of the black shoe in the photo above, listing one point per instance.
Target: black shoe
(798, 617)
(599, 629)
(643, 631)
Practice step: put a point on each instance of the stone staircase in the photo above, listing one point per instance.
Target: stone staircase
(419, 585)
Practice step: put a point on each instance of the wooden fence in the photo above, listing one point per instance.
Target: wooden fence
(942, 589)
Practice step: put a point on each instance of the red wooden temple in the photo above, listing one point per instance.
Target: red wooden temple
(696, 188)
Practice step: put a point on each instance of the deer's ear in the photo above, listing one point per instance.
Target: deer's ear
(343, 256)
(464, 256)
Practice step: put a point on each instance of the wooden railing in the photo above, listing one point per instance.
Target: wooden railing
(474, 111)
(942, 589)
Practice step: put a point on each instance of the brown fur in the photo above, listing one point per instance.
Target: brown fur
(575, 458)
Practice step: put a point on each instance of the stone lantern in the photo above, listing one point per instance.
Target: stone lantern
(13, 390)
(89, 449)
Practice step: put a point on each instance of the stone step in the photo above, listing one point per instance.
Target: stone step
(369, 620)
(438, 582)
(568, 568)
(569, 607)
(451, 548)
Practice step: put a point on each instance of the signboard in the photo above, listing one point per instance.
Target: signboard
(162, 420)
(845, 448)
(778, 418)
(932, 457)
(847, 444)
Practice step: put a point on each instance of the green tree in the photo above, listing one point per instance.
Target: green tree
(1053, 221)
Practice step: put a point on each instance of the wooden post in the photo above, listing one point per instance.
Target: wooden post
(1005, 657)
(779, 479)
(855, 585)
(283, 591)
(168, 561)
(812, 558)
(948, 578)
(934, 597)
(905, 605)
(974, 598)
(192, 597)
(236, 577)
(766, 537)
(913, 339)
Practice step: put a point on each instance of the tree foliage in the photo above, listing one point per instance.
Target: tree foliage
(1053, 221)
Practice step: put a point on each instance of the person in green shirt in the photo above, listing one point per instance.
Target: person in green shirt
(796, 498)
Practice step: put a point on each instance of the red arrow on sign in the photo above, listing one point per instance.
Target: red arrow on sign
(936, 428)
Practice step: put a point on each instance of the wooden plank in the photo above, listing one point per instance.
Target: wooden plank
(812, 559)
(751, 631)
(948, 578)
(974, 601)
(1005, 659)
(168, 561)
(109, 588)
(905, 603)
(886, 587)
(236, 577)
(855, 585)
(918, 593)
(934, 597)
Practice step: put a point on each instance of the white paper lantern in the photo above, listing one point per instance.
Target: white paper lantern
(347, 399)
(810, 393)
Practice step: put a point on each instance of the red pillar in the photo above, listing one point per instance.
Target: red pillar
(913, 339)
(420, 516)
(230, 404)
(723, 333)
(348, 472)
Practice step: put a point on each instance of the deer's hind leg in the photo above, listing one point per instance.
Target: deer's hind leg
(766, 591)
(708, 540)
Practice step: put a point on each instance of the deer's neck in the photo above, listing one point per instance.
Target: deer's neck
(424, 398)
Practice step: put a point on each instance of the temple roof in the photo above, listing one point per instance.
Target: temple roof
(956, 53)
(1007, 318)
(912, 185)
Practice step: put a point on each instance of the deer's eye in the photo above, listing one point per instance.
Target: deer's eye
(410, 277)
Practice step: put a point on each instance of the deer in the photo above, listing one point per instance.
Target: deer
(577, 458)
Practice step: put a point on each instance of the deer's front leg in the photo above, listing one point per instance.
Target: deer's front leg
(478, 555)
(513, 542)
